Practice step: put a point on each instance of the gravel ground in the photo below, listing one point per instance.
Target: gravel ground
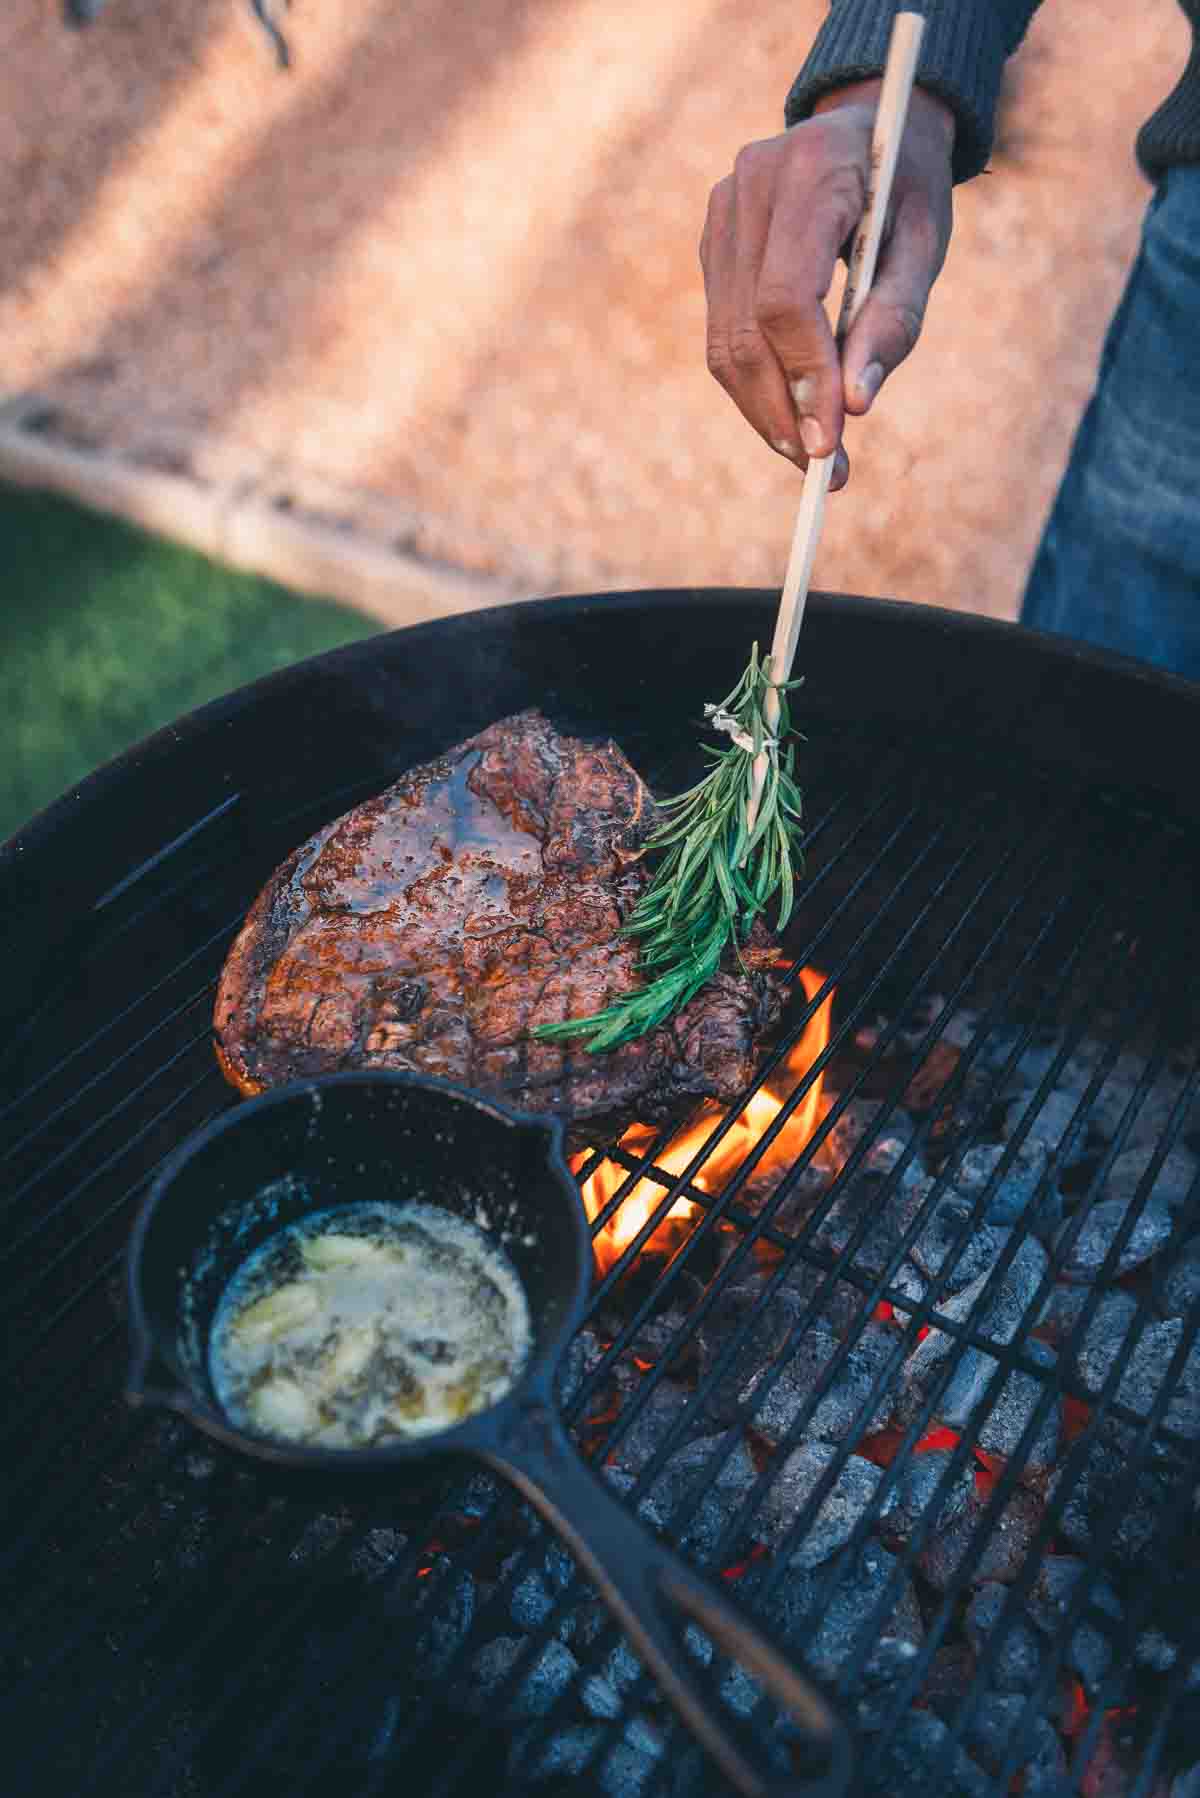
(448, 265)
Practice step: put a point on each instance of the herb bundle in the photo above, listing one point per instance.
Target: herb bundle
(719, 872)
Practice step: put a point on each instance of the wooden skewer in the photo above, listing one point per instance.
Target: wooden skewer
(898, 75)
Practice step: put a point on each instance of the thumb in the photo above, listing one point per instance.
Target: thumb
(887, 328)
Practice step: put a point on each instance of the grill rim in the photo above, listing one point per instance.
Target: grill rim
(1085, 676)
(938, 669)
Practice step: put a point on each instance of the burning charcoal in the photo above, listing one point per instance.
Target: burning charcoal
(1111, 1322)
(624, 1771)
(1179, 1289)
(771, 1325)
(1099, 1491)
(998, 1725)
(841, 1512)
(1083, 1259)
(740, 1692)
(583, 1356)
(1172, 1183)
(1155, 1651)
(949, 1232)
(1061, 1312)
(599, 1698)
(379, 1550)
(1017, 1663)
(837, 1414)
(805, 1191)
(449, 1595)
(948, 1679)
(656, 1341)
(691, 1467)
(1018, 1186)
(648, 1509)
(620, 1667)
(541, 1684)
(918, 1745)
(1013, 1398)
(889, 1662)
(667, 1406)
(317, 1538)
(1001, 1315)
(857, 1121)
(1153, 1114)
(538, 1590)
(917, 1496)
(839, 1305)
(861, 1210)
(1003, 1553)
(1146, 1368)
(885, 1155)
(974, 1111)
(828, 1632)
(1056, 1126)
(1089, 1653)
(476, 1496)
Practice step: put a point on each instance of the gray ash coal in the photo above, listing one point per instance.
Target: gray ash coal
(929, 1406)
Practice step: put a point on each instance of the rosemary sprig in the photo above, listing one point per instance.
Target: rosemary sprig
(717, 874)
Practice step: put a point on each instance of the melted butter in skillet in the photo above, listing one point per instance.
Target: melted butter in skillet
(367, 1325)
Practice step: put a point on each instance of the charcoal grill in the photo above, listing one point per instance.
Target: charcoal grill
(1001, 892)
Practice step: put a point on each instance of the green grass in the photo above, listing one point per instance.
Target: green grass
(106, 634)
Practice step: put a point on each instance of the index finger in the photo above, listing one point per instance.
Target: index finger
(804, 241)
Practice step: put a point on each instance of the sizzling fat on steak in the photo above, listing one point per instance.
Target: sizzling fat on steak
(432, 927)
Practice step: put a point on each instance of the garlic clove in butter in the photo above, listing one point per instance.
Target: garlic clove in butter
(348, 1358)
(322, 1253)
(283, 1408)
(286, 1309)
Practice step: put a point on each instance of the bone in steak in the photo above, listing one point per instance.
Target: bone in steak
(434, 926)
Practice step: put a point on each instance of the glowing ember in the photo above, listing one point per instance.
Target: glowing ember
(1076, 1417)
(757, 1551)
(640, 1203)
(883, 1447)
(988, 1469)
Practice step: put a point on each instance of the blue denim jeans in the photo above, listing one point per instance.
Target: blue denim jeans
(1119, 563)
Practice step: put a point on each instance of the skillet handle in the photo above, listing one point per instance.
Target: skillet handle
(651, 1592)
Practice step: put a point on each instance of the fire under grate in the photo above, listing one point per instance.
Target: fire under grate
(905, 1352)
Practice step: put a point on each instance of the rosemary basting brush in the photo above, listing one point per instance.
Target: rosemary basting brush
(731, 845)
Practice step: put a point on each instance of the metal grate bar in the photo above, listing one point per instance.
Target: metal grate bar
(542, 1633)
(108, 1117)
(629, 1412)
(738, 1525)
(66, 1061)
(21, 1294)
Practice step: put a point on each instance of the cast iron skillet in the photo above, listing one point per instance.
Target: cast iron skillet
(357, 1136)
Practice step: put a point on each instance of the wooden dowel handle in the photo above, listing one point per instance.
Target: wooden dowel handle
(903, 51)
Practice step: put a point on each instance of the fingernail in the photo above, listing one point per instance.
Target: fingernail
(812, 435)
(871, 380)
(786, 447)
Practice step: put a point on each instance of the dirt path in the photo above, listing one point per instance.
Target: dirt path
(446, 272)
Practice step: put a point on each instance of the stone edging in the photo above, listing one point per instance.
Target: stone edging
(236, 524)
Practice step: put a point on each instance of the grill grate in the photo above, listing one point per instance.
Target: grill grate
(180, 1622)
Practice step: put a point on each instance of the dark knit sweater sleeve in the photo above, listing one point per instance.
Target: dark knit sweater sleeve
(962, 60)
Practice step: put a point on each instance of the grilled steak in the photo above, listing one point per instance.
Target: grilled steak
(432, 927)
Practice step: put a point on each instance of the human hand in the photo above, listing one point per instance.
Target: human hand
(772, 238)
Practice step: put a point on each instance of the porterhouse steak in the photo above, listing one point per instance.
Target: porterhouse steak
(434, 926)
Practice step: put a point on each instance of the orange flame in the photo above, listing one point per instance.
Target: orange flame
(641, 1201)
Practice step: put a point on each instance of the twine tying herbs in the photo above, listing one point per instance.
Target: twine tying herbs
(718, 874)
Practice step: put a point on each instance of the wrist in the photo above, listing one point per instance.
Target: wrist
(925, 107)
